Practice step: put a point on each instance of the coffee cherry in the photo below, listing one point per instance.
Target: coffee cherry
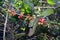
(41, 21)
(12, 12)
(20, 16)
(30, 18)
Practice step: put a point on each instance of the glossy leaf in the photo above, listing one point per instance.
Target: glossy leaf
(47, 12)
(26, 6)
(27, 11)
(51, 2)
(22, 10)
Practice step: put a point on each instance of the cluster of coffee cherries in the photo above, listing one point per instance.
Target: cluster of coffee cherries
(12, 12)
(41, 21)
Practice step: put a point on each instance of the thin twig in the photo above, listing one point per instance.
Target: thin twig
(5, 27)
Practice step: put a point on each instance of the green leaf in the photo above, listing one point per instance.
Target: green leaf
(19, 2)
(47, 12)
(14, 1)
(27, 11)
(26, 6)
(51, 2)
(23, 10)
(1, 2)
(22, 29)
(12, 19)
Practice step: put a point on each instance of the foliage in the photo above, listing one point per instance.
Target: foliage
(15, 24)
(1, 2)
(22, 6)
(50, 2)
(47, 12)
